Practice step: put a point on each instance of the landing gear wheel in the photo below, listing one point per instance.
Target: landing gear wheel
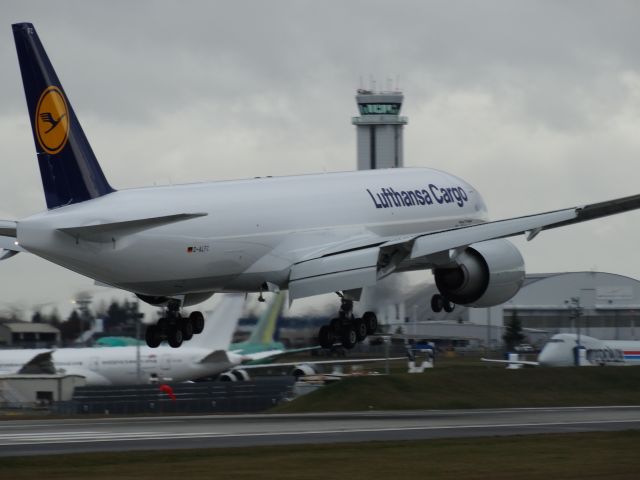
(349, 338)
(361, 329)
(437, 303)
(197, 320)
(186, 325)
(335, 325)
(371, 321)
(174, 336)
(326, 338)
(448, 306)
(152, 336)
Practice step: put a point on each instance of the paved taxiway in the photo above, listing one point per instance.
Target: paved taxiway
(34, 437)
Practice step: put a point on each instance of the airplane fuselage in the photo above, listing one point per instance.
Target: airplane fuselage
(253, 231)
(119, 366)
(559, 351)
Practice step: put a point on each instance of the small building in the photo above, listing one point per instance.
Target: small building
(16, 334)
(28, 390)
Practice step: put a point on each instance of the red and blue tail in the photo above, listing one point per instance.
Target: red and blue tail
(70, 171)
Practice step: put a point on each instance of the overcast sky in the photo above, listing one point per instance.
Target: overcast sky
(536, 104)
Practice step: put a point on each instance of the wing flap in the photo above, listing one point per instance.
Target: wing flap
(342, 271)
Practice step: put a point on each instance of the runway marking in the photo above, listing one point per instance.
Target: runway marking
(99, 437)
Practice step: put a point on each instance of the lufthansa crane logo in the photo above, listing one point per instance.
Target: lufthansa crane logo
(52, 120)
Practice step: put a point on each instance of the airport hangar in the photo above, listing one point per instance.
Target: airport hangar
(598, 304)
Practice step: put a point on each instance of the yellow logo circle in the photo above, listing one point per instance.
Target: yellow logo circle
(52, 120)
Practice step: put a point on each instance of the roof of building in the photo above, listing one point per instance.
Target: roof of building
(29, 327)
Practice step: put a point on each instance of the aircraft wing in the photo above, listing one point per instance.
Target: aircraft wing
(318, 362)
(270, 355)
(511, 362)
(39, 364)
(8, 247)
(354, 268)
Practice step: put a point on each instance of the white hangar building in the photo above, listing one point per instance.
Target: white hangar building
(601, 305)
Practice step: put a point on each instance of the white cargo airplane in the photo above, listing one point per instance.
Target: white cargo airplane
(312, 234)
(561, 351)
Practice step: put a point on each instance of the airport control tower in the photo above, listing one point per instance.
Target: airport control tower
(379, 129)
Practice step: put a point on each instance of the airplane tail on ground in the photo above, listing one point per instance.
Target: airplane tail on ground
(265, 329)
(69, 169)
(220, 324)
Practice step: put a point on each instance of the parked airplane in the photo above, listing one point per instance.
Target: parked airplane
(563, 349)
(206, 355)
(174, 246)
(560, 351)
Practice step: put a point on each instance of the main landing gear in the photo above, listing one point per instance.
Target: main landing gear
(346, 329)
(174, 328)
(439, 303)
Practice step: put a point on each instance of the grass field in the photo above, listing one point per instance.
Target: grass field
(565, 456)
(476, 387)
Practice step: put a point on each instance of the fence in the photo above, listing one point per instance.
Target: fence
(203, 397)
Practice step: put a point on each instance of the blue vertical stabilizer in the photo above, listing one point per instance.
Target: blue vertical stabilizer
(70, 171)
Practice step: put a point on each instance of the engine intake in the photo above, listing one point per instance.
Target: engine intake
(485, 274)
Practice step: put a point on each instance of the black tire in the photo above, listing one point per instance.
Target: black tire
(326, 337)
(174, 336)
(371, 321)
(448, 306)
(361, 329)
(336, 326)
(197, 320)
(437, 303)
(348, 337)
(186, 325)
(162, 325)
(152, 336)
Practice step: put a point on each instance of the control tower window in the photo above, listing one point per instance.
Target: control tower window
(379, 108)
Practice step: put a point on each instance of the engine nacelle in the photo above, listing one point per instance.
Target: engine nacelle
(234, 376)
(484, 275)
(302, 370)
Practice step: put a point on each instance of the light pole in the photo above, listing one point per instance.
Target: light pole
(574, 304)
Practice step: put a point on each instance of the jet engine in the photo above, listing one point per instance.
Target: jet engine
(485, 274)
(234, 376)
(302, 370)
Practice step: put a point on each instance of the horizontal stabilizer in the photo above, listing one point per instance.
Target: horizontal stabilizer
(8, 228)
(8, 244)
(104, 232)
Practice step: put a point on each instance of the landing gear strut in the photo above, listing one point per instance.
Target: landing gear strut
(173, 327)
(347, 329)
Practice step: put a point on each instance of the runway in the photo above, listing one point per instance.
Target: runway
(38, 437)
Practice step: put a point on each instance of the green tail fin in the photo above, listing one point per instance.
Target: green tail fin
(265, 329)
